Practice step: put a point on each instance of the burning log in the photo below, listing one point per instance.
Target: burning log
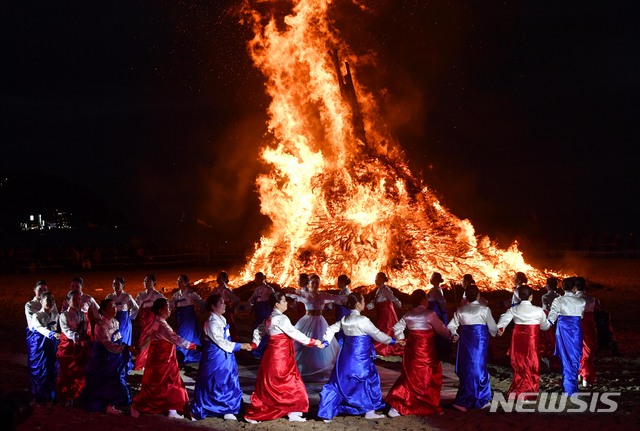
(348, 92)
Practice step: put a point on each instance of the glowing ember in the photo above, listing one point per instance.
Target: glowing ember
(340, 196)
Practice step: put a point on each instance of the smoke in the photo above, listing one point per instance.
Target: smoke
(231, 202)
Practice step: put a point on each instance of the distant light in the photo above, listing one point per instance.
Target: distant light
(31, 218)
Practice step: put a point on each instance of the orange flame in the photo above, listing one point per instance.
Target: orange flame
(340, 197)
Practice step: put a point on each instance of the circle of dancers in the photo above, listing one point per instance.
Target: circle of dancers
(82, 355)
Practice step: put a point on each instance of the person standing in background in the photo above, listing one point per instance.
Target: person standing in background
(184, 302)
(145, 300)
(384, 301)
(126, 309)
(73, 350)
(587, 375)
(231, 302)
(42, 345)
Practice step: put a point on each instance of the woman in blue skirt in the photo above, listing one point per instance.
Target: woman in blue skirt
(106, 387)
(471, 326)
(217, 392)
(42, 344)
(183, 304)
(354, 385)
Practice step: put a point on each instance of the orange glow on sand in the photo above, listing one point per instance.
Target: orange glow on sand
(339, 194)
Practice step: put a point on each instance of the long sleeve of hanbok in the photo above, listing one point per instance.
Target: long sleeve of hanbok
(332, 331)
(372, 331)
(69, 325)
(398, 329)
(93, 307)
(164, 332)
(454, 323)
(31, 308)
(506, 318)
(386, 294)
(329, 298)
(491, 323)
(257, 334)
(437, 325)
(133, 308)
(214, 328)
(283, 323)
(103, 334)
(45, 324)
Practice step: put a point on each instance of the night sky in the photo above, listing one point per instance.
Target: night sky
(521, 115)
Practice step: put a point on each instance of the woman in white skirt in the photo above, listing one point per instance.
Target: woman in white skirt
(315, 365)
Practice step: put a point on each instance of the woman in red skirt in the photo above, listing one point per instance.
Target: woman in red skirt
(383, 302)
(279, 389)
(162, 390)
(417, 390)
(73, 350)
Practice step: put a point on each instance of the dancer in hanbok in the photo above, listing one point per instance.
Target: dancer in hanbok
(89, 305)
(217, 392)
(231, 301)
(587, 375)
(435, 298)
(145, 300)
(384, 301)
(528, 321)
(73, 351)
(566, 314)
(467, 280)
(471, 326)
(260, 299)
(35, 304)
(106, 387)
(519, 279)
(127, 309)
(30, 309)
(548, 338)
(341, 308)
(438, 304)
(261, 309)
(42, 344)
(184, 302)
(303, 285)
(279, 389)
(417, 390)
(354, 385)
(162, 390)
(315, 365)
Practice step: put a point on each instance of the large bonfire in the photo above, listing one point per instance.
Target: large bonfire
(340, 195)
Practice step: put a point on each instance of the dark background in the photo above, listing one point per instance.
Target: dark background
(148, 116)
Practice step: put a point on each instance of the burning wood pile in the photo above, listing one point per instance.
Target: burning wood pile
(340, 195)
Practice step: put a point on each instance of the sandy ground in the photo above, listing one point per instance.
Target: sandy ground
(614, 282)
